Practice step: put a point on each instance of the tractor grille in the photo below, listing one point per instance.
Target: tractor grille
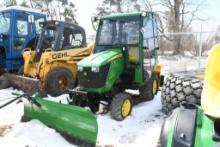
(90, 79)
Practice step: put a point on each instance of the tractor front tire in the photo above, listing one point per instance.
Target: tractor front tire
(58, 81)
(121, 106)
(180, 89)
(149, 89)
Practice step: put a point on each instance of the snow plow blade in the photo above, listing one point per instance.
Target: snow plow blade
(76, 124)
(26, 84)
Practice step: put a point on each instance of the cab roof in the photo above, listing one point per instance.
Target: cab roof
(118, 15)
(54, 23)
(19, 8)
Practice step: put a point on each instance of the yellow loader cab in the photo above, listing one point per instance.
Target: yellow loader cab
(211, 91)
(54, 62)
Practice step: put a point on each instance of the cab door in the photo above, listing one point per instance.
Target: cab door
(149, 42)
(22, 29)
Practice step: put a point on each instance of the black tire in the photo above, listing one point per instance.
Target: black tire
(146, 91)
(116, 106)
(4, 83)
(21, 71)
(180, 89)
(58, 81)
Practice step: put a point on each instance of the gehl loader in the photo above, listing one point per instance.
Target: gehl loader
(52, 67)
(107, 79)
(193, 125)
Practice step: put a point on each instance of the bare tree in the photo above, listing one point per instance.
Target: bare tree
(118, 6)
(177, 16)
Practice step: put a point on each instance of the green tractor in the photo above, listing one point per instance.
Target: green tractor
(124, 60)
(197, 126)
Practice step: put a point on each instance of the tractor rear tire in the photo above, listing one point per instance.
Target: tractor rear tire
(150, 88)
(59, 81)
(178, 89)
(121, 106)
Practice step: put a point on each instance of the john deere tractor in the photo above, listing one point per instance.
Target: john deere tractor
(107, 79)
(52, 67)
(197, 126)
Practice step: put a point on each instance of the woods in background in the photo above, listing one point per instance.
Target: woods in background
(174, 16)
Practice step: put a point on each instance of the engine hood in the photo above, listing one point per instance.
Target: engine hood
(101, 58)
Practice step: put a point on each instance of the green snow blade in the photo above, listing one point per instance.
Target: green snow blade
(77, 124)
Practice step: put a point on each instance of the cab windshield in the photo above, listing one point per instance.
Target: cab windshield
(4, 22)
(48, 37)
(118, 31)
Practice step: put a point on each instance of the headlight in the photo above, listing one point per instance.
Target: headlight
(80, 68)
(95, 69)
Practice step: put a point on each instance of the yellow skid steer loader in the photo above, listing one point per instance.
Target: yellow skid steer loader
(52, 67)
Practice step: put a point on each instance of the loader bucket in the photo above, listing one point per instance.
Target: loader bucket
(76, 124)
(26, 84)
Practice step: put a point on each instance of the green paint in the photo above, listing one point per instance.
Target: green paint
(172, 117)
(204, 130)
(115, 70)
(73, 120)
(98, 59)
(139, 75)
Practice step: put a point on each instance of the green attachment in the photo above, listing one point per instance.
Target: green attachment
(71, 121)
(203, 131)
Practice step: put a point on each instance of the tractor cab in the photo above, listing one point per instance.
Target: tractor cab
(135, 36)
(125, 57)
(59, 35)
(19, 29)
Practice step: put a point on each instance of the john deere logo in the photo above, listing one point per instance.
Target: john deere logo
(85, 73)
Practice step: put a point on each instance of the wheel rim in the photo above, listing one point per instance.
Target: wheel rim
(62, 82)
(154, 87)
(126, 108)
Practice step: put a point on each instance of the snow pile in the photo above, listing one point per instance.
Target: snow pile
(141, 128)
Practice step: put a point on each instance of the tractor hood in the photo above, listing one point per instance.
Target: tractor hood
(100, 58)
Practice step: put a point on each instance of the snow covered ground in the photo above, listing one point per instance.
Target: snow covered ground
(141, 128)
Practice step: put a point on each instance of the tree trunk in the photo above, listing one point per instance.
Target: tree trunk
(177, 38)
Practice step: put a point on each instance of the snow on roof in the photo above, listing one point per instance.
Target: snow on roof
(22, 9)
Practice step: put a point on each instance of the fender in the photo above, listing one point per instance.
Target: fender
(178, 130)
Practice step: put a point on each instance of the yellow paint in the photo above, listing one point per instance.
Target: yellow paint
(154, 89)
(200, 76)
(211, 90)
(53, 59)
(126, 108)
(157, 69)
